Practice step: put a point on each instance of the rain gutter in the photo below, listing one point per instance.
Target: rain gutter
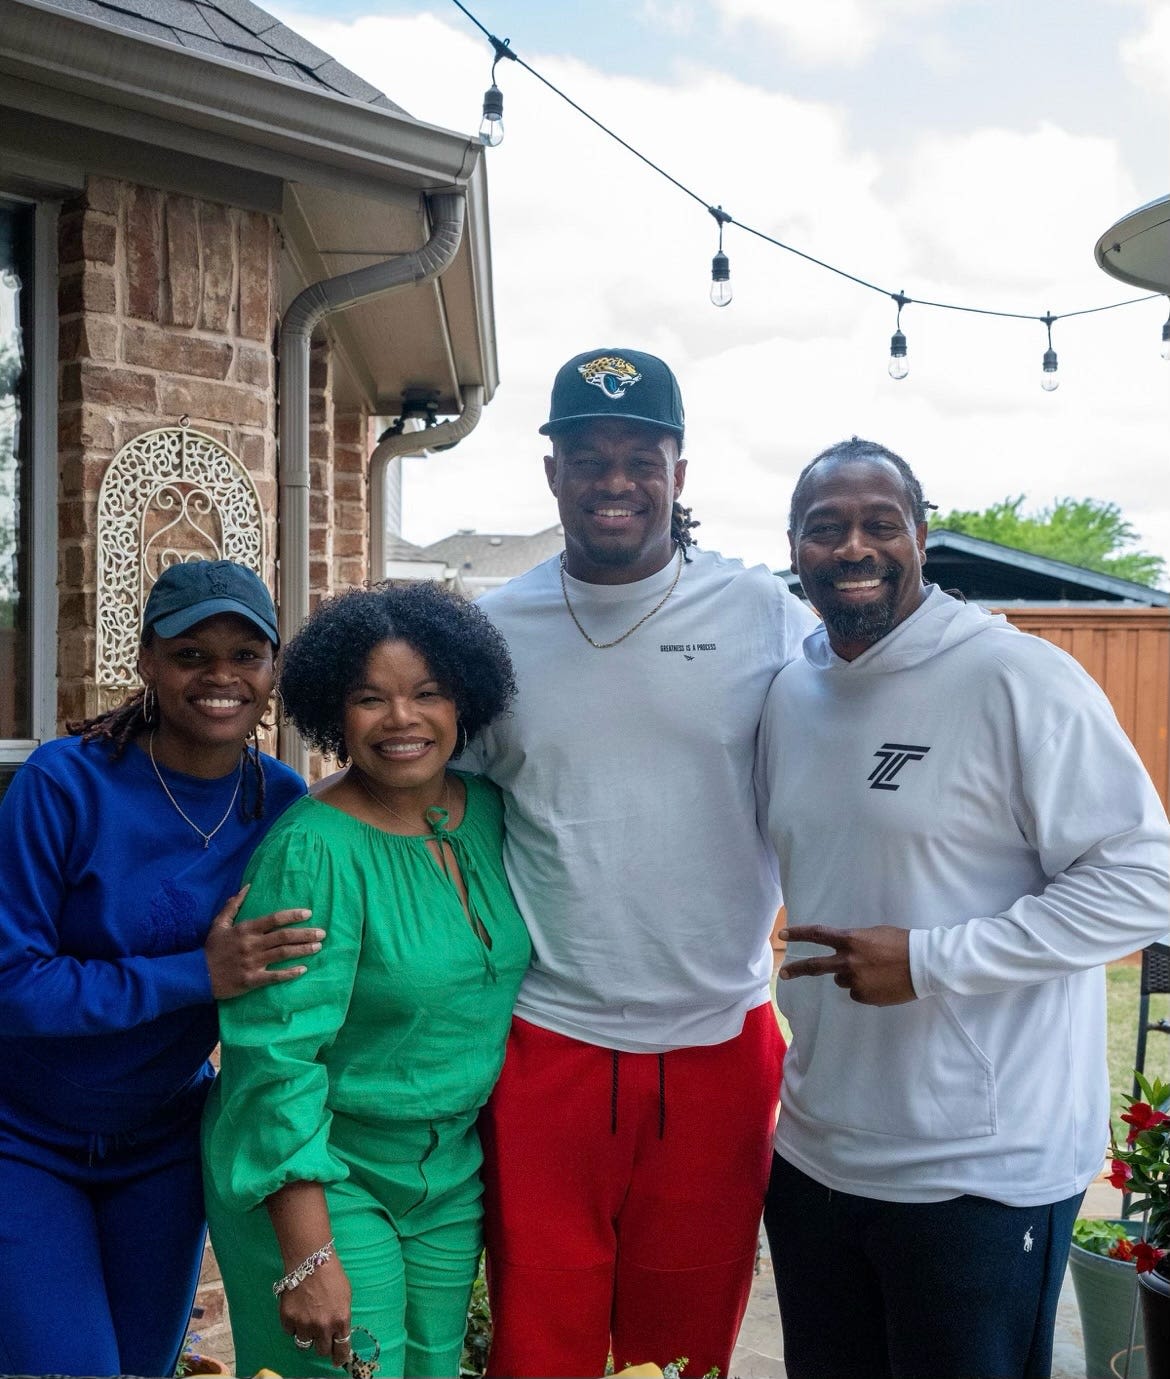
(440, 437)
(307, 310)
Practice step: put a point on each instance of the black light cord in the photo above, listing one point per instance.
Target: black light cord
(502, 49)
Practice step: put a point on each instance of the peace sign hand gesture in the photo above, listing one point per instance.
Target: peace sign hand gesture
(873, 965)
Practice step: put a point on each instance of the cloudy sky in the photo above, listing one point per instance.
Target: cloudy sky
(969, 151)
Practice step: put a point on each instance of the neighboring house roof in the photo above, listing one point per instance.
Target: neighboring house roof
(398, 548)
(236, 31)
(491, 557)
(987, 572)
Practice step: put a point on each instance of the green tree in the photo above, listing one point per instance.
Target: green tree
(1081, 531)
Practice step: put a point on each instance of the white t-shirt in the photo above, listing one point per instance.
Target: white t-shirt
(632, 844)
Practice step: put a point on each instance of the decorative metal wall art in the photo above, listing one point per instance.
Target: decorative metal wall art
(168, 495)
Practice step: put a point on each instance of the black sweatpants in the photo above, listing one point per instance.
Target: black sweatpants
(962, 1289)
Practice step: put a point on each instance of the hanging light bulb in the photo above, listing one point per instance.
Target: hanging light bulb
(491, 129)
(720, 265)
(1049, 378)
(899, 366)
(1166, 340)
(720, 279)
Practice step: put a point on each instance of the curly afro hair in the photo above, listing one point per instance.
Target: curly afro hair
(328, 656)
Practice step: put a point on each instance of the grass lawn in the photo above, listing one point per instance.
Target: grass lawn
(1123, 981)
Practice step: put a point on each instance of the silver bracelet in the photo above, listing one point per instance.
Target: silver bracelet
(295, 1277)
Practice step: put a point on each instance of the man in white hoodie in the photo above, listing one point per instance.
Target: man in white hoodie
(964, 827)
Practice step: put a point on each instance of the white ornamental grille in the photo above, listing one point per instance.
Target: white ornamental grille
(168, 495)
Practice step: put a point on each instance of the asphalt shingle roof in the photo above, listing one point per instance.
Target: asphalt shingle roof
(235, 31)
(496, 555)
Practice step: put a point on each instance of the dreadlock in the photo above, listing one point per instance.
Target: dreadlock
(681, 526)
(118, 726)
(121, 725)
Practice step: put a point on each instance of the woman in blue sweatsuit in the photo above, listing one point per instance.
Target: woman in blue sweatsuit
(121, 849)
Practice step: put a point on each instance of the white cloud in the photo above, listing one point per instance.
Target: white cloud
(833, 32)
(1147, 56)
(826, 33)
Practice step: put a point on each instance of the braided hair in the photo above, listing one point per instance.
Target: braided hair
(681, 526)
(119, 727)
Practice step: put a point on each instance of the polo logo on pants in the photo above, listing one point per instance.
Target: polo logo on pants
(893, 756)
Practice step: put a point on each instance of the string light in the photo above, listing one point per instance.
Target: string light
(720, 264)
(898, 367)
(1049, 378)
(491, 128)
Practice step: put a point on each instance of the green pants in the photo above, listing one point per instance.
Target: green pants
(407, 1226)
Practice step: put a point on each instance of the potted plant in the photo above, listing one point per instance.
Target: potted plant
(1101, 1264)
(1141, 1167)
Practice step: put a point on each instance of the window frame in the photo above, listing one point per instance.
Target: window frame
(42, 487)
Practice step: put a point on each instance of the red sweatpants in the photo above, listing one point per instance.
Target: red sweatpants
(623, 1195)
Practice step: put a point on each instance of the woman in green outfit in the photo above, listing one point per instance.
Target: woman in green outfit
(340, 1151)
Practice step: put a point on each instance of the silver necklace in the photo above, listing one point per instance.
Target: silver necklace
(207, 837)
(378, 800)
(604, 646)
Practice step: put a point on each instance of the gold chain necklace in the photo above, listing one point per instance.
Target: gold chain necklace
(207, 837)
(604, 646)
(378, 800)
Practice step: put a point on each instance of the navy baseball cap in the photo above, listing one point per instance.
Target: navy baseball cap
(185, 594)
(615, 383)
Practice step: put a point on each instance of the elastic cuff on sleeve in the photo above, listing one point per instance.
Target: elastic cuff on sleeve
(919, 978)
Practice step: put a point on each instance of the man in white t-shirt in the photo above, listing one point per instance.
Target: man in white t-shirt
(626, 1145)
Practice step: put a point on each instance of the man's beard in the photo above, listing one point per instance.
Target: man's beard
(867, 622)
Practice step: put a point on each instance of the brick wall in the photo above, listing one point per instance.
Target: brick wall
(167, 308)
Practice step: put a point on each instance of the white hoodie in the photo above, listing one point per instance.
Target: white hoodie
(969, 782)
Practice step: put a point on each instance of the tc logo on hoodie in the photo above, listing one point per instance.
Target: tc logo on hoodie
(893, 756)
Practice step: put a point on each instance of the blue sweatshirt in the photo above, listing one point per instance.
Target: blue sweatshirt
(106, 899)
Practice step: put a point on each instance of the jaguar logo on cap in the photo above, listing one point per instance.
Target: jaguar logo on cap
(611, 374)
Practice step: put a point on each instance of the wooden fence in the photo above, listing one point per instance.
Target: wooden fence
(1127, 652)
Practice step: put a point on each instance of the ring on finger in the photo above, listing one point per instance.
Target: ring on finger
(302, 1345)
(343, 1340)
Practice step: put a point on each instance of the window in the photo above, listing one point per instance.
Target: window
(16, 233)
(28, 478)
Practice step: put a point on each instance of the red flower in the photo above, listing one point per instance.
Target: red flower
(1119, 1173)
(1146, 1256)
(1142, 1116)
(1122, 1250)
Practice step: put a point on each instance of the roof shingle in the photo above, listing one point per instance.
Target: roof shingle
(234, 31)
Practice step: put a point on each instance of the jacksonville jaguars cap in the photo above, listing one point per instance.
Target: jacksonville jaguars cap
(615, 383)
(185, 594)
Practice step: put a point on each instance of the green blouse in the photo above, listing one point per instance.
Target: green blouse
(403, 1014)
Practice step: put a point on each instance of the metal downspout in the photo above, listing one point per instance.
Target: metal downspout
(307, 310)
(447, 433)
